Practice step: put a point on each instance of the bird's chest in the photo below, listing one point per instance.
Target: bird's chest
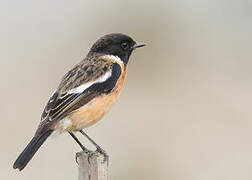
(93, 111)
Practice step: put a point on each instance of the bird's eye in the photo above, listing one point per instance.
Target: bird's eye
(125, 46)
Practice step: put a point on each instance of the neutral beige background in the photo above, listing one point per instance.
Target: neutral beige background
(185, 111)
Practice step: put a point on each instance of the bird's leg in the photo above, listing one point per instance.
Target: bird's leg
(82, 147)
(98, 148)
(91, 140)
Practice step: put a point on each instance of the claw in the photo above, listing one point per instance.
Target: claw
(101, 151)
(86, 151)
(90, 154)
(76, 157)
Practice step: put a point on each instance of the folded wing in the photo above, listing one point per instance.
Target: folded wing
(80, 85)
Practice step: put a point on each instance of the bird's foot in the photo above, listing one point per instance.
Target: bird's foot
(100, 151)
(86, 151)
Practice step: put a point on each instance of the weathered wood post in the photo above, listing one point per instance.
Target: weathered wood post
(93, 169)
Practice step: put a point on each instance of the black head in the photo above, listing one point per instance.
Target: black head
(116, 44)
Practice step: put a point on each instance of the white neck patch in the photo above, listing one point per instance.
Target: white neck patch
(83, 87)
(115, 58)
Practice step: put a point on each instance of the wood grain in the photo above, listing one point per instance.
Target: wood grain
(93, 169)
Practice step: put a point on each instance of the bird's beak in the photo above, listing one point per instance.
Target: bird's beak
(138, 45)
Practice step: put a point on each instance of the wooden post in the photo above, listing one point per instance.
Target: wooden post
(93, 169)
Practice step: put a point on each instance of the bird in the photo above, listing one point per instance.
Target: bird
(85, 94)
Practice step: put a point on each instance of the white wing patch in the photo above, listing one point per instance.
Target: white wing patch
(83, 87)
(52, 96)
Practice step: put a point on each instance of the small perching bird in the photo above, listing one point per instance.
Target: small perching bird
(85, 93)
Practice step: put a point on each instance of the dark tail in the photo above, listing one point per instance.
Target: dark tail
(30, 150)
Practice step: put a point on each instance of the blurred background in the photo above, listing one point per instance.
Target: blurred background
(185, 110)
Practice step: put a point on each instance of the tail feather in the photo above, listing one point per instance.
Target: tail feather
(30, 150)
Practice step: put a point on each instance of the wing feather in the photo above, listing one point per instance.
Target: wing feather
(100, 78)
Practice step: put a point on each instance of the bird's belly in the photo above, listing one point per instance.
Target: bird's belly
(88, 114)
(92, 112)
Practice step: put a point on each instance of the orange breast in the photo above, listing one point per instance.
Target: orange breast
(93, 111)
